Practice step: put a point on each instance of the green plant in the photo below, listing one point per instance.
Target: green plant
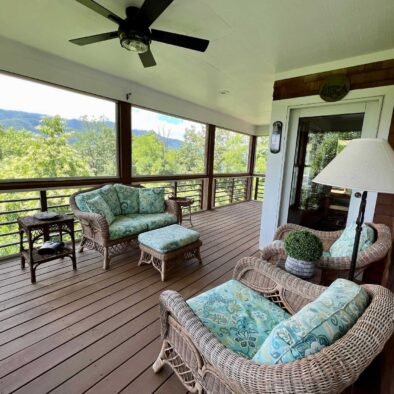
(303, 245)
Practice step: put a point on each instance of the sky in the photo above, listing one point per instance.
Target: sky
(19, 94)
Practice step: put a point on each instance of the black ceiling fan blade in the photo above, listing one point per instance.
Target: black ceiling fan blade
(151, 10)
(101, 10)
(147, 59)
(96, 38)
(197, 44)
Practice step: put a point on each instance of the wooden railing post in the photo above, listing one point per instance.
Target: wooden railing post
(232, 190)
(209, 156)
(256, 188)
(175, 188)
(213, 194)
(124, 142)
(43, 201)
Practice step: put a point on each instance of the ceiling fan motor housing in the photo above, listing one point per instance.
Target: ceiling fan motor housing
(133, 35)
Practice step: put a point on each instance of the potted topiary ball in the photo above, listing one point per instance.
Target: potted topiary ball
(303, 250)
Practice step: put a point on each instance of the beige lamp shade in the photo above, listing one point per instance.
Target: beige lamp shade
(365, 164)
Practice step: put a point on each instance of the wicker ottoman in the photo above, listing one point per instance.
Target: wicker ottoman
(166, 244)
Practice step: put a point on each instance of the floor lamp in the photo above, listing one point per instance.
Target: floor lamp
(365, 164)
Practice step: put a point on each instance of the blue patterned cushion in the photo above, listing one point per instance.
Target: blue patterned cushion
(318, 324)
(129, 199)
(82, 198)
(155, 220)
(238, 316)
(152, 200)
(98, 205)
(343, 246)
(110, 196)
(124, 226)
(168, 238)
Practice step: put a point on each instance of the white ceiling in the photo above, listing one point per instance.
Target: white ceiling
(251, 42)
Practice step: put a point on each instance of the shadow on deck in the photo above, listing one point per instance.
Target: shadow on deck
(99, 331)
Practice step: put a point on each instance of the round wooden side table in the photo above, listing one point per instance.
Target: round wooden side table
(184, 202)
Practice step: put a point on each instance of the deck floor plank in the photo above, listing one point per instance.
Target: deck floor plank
(99, 331)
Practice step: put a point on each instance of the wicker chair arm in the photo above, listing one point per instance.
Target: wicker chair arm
(329, 371)
(273, 252)
(95, 222)
(173, 208)
(283, 230)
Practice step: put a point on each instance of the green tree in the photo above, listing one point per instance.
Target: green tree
(97, 144)
(192, 153)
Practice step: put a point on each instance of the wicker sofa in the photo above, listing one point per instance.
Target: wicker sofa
(96, 230)
(203, 364)
(332, 267)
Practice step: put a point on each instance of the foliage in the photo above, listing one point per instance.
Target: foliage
(303, 245)
(261, 155)
(54, 151)
(231, 152)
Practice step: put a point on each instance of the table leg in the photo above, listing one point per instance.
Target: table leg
(23, 261)
(32, 273)
(73, 258)
(31, 260)
(190, 215)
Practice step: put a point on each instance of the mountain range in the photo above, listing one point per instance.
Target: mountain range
(29, 121)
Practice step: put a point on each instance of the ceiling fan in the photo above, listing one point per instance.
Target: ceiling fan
(135, 33)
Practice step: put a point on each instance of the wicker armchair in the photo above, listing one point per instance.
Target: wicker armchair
(203, 364)
(95, 231)
(333, 267)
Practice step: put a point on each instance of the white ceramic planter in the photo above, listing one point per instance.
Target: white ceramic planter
(300, 268)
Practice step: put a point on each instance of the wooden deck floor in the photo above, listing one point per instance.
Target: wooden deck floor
(98, 331)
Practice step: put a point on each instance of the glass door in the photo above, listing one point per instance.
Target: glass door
(319, 140)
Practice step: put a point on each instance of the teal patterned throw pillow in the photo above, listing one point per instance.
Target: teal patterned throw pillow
(129, 198)
(82, 198)
(318, 324)
(98, 205)
(238, 316)
(343, 246)
(152, 200)
(110, 196)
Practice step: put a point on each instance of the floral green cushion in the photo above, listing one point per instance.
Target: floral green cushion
(238, 316)
(129, 199)
(124, 226)
(108, 192)
(343, 246)
(167, 239)
(82, 198)
(155, 220)
(152, 200)
(98, 205)
(318, 324)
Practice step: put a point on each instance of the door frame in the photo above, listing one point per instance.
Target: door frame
(371, 107)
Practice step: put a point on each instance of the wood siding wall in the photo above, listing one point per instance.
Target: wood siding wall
(364, 76)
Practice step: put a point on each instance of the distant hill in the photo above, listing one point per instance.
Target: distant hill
(29, 121)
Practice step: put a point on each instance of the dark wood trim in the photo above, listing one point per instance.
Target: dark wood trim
(210, 158)
(31, 184)
(232, 175)
(252, 154)
(361, 77)
(161, 178)
(124, 141)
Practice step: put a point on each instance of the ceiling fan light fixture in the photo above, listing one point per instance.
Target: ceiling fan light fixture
(134, 43)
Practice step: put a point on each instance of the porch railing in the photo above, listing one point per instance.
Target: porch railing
(24, 203)
(226, 190)
(193, 188)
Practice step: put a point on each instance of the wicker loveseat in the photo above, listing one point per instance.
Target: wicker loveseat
(203, 364)
(332, 267)
(97, 234)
